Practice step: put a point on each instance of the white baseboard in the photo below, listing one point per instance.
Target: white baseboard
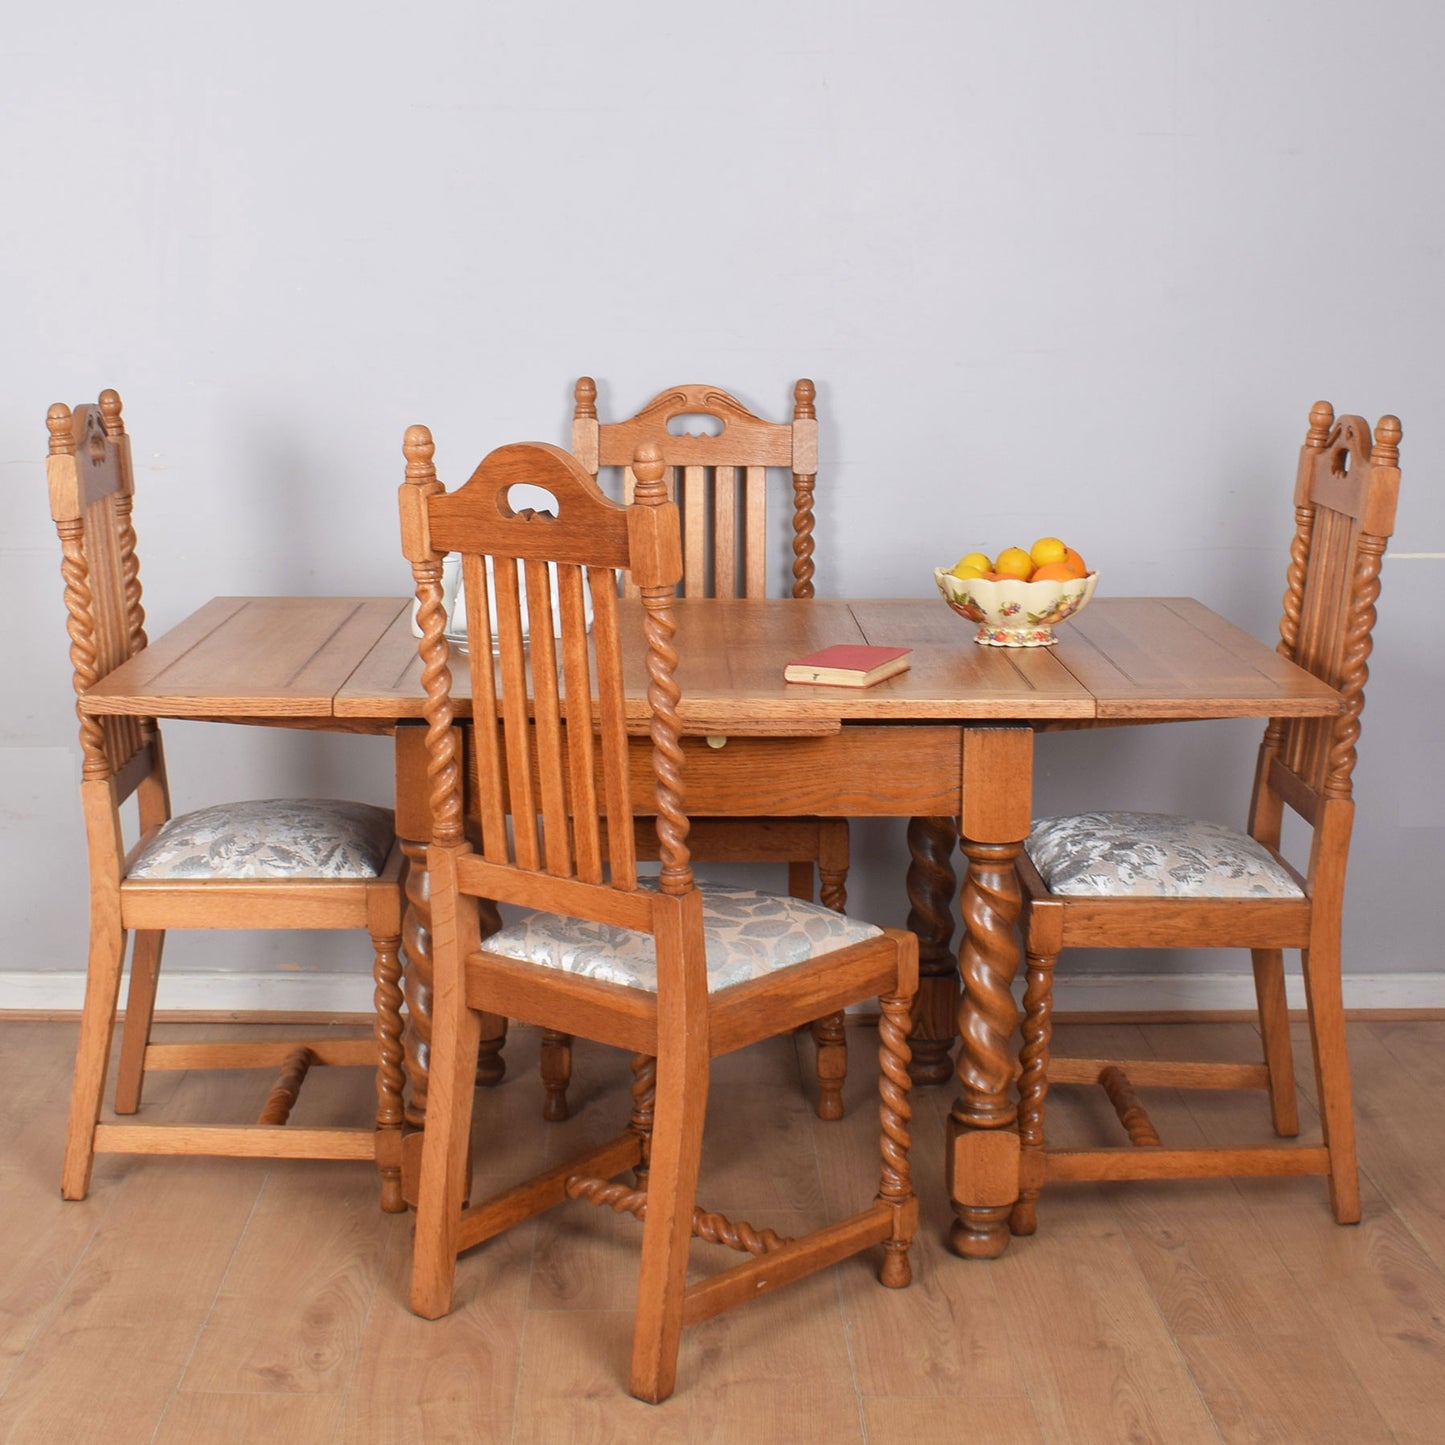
(1208, 992)
(203, 992)
(40, 991)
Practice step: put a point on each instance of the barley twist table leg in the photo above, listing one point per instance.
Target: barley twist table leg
(931, 882)
(988, 962)
(982, 1159)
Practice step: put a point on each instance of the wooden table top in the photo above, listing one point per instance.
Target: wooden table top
(354, 660)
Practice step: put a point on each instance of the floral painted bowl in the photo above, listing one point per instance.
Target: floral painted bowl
(1010, 613)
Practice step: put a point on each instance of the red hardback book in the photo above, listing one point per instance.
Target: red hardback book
(848, 665)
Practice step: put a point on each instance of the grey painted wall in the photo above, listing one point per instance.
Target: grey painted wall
(1055, 268)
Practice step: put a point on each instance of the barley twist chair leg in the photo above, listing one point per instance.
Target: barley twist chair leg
(1033, 1087)
(644, 1099)
(390, 1075)
(894, 1112)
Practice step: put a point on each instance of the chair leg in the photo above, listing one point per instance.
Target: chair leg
(556, 1074)
(800, 881)
(644, 1104)
(667, 1227)
(92, 1057)
(390, 1078)
(831, 1063)
(1037, 1028)
(140, 1004)
(1332, 1078)
(1274, 1030)
(894, 1113)
(829, 1037)
(443, 1186)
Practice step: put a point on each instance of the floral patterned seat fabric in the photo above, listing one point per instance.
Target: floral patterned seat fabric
(277, 838)
(748, 934)
(1153, 855)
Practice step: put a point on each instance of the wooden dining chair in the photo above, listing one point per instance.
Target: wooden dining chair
(306, 863)
(720, 482)
(1140, 880)
(674, 973)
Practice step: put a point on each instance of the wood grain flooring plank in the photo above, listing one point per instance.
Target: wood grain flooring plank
(1376, 1297)
(1266, 1388)
(1399, 1081)
(1366, 1299)
(1102, 1363)
(1371, 1295)
(197, 1419)
(107, 1360)
(946, 1334)
(774, 1370)
(1211, 1268)
(976, 1418)
(289, 1314)
(447, 1380)
(1219, 1310)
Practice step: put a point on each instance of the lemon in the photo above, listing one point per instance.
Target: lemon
(1015, 562)
(974, 564)
(1048, 549)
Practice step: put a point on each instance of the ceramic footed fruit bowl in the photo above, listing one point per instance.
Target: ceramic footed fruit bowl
(1011, 613)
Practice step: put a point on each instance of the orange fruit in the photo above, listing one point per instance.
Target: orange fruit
(1056, 572)
(1015, 562)
(1076, 562)
(1046, 550)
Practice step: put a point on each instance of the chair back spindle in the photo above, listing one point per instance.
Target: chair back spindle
(1345, 499)
(548, 707)
(719, 481)
(91, 487)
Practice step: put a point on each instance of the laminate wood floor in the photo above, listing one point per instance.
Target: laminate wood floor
(238, 1301)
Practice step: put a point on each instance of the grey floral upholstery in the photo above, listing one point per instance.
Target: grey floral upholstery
(277, 838)
(1153, 855)
(748, 934)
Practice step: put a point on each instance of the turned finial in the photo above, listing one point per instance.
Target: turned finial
(110, 413)
(419, 450)
(1322, 418)
(803, 395)
(585, 395)
(647, 467)
(62, 439)
(1386, 451)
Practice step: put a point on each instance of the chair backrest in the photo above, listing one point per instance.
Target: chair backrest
(1345, 497)
(719, 482)
(91, 486)
(558, 703)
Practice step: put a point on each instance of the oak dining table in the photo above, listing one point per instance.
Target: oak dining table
(949, 745)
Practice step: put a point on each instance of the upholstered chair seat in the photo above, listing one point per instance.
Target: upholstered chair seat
(272, 838)
(748, 935)
(1154, 855)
